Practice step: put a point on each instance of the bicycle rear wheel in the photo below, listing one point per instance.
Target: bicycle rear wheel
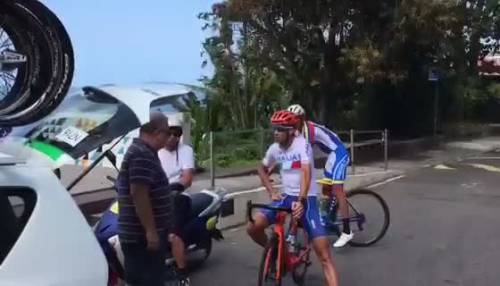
(369, 216)
(271, 268)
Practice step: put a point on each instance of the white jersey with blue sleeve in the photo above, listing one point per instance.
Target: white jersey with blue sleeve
(324, 138)
(338, 159)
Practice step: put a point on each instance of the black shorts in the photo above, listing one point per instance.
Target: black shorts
(182, 207)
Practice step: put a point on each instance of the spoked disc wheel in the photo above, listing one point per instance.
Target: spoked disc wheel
(36, 59)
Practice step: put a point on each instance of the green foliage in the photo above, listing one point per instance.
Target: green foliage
(352, 64)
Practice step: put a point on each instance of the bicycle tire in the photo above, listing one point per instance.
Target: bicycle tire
(299, 274)
(269, 254)
(385, 210)
(45, 75)
(56, 68)
(64, 54)
(15, 26)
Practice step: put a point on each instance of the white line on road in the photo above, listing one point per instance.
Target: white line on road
(230, 195)
(486, 167)
(483, 158)
(443, 167)
(367, 174)
(385, 182)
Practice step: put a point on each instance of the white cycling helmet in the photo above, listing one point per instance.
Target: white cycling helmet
(296, 109)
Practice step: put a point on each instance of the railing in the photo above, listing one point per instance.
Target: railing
(234, 152)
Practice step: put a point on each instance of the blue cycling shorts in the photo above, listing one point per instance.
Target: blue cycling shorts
(311, 219)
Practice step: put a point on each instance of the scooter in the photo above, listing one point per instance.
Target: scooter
(199, 230)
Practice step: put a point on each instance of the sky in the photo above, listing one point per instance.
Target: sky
(130, 42)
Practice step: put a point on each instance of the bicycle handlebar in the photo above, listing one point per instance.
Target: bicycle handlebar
(251, 206)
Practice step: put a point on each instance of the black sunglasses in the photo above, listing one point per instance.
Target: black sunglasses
(176, 132)
(281, 128)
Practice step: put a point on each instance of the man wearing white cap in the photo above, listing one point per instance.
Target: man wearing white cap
(177, 160)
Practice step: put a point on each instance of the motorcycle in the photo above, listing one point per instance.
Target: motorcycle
(198, 231)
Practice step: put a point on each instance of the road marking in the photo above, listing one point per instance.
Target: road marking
(260, 189)
(486, 167)
(483, 158)
(385, 182)
(443, 167)
(368, 174)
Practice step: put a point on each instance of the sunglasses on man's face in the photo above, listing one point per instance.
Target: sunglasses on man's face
(280, 128)
(174, 132)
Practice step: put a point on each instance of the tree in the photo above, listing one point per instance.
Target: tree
(340, 55)
(243, 91)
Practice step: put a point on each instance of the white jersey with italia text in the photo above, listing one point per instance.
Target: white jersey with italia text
(290, 163)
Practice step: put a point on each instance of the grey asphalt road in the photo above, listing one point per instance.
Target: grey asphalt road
(444, 231)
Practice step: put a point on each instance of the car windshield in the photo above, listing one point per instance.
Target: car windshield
(174, 103)
(85, 122)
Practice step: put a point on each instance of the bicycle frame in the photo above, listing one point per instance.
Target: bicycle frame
(290, 260)
(357, 217)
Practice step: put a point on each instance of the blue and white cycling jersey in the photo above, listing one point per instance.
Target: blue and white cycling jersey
(324, 138)
(330, 143)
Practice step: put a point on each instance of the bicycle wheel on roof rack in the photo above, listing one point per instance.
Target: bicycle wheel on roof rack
(39, 62)
(271, 269)
(19, 59)
(63, 56)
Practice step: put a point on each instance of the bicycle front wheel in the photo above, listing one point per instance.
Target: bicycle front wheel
(271, 266)
(300, 271)
(369, 217)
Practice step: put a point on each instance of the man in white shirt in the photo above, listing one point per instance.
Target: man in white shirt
(177, 160)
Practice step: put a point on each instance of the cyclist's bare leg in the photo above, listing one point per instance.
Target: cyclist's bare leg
(178, 251)
(256, 230)
(322, 248)
(338, 190)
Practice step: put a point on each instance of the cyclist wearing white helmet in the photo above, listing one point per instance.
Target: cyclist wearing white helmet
(335, 168)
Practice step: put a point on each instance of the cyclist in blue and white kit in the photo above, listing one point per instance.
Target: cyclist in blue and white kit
(335, 167)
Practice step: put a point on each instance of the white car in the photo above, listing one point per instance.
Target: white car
(92, 119)
(44, 238)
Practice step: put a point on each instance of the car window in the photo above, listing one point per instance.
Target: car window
(16, 207)
(92, 119)
(174, 103)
